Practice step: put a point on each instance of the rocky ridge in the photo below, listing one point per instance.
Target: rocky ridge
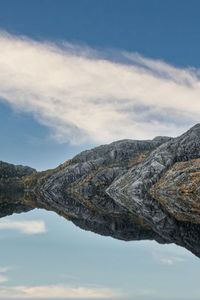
(128, 189)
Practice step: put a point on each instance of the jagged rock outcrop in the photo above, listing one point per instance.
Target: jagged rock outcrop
(133, 189)
(88, 174)
(128, 189)
(77, 189)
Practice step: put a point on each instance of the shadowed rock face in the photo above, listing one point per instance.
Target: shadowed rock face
(12, 188)
(12, 202)
(130, 190)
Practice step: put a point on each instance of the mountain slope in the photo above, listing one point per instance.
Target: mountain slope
(128, 189)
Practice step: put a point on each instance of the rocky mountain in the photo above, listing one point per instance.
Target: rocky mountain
(12, 171)
(129, 190)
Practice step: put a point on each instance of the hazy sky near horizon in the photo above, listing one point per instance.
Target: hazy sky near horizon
(75, 74)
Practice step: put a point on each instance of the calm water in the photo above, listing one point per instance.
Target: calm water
(59, 260)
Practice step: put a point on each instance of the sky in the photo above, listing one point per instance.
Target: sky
(79, 73)
(76, 74)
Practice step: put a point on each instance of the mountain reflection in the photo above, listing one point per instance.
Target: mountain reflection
(123, 226)
(129, 190)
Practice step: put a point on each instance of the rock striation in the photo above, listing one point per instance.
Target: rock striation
(128, 189)
(137, 190)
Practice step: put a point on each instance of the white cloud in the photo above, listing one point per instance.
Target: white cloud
(56, 291)
(26, 227)
(84, 97)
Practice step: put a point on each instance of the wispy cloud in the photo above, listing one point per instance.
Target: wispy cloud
(26, 227)
(166, 254)
(57, 291)
(3, 278)
(83, 96)
(5, 269)
(171, 260)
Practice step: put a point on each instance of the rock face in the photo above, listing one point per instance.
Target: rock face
(133, 189)
(77, 189)
(130, 190)
(12, 171)
(11, 177)
(178, 190)
(12, 188)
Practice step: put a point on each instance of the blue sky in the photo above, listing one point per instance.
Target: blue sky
(75, 74)
(153, 45)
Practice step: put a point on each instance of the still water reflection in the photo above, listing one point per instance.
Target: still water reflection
(58, 260)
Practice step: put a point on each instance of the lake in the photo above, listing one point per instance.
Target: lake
(59, 260)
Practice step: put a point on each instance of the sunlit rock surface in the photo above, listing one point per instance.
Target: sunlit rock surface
(133, 190)
(130, 190)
